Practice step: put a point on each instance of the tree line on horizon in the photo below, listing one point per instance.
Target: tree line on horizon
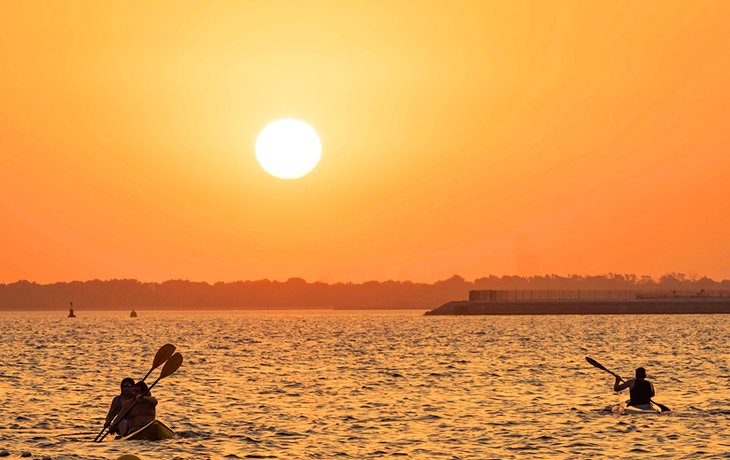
(298, 293)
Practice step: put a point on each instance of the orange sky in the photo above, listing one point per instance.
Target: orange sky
(458, 137)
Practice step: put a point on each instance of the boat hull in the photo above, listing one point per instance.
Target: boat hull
(156, 430)
(640, 409)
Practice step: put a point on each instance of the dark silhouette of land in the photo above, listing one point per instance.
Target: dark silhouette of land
(296, 293)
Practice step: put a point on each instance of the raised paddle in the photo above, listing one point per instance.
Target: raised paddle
(162, 355)
(595, 363)
(170, 367)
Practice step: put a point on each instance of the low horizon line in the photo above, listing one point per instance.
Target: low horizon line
(610, 275)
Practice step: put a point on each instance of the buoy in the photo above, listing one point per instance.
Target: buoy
(133, 314)
(71, 311)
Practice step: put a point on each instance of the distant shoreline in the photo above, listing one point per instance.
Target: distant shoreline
(296, 293)
(158, 309)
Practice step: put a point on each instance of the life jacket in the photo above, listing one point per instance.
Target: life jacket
(640, 393)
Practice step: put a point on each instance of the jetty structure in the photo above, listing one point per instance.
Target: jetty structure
(586, 302)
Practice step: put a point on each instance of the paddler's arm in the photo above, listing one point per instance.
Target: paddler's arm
(148, 399)
(652, 389)
(618, 386)
(124, 409)
(114, 410)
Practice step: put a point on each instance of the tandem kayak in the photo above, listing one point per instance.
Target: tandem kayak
(153, 431)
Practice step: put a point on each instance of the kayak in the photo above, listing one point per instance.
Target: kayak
(638, 409)
(153, 431)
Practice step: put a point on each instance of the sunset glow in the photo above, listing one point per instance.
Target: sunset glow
(468, 138)
(374, 229)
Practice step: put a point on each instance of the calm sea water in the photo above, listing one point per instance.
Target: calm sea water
(325, 384)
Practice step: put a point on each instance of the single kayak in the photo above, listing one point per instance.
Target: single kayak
(638, 409)
(153, 431)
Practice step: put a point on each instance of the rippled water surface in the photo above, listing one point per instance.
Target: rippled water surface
(326, 384)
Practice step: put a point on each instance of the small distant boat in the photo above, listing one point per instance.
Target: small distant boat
(156, 430)
(133, 314)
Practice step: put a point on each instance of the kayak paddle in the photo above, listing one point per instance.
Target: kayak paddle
(162, 355)
(170, 367)
(595, 363)
(600, 366)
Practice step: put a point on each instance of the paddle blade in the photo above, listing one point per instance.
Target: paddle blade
(595, 363)
(662, 407)
(163, 354)
(171, 365)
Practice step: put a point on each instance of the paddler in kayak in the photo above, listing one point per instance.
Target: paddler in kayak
(125, 395)
(143, 411)
(640, 390)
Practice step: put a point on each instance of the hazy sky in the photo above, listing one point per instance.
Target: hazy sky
(458, 137)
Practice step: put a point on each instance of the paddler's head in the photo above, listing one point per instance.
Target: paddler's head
(127, 386)
(140, 388)
(640, 373)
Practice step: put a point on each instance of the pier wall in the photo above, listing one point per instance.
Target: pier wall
(591, 295)
(697, 305)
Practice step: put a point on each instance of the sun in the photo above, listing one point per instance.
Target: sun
(288, 148)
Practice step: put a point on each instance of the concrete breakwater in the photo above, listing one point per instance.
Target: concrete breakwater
(637, 304)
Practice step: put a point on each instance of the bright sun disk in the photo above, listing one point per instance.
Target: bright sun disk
(288, 148)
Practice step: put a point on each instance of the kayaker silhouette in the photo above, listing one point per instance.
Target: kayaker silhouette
(126, 394)
(143, 412)
(640, 390)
